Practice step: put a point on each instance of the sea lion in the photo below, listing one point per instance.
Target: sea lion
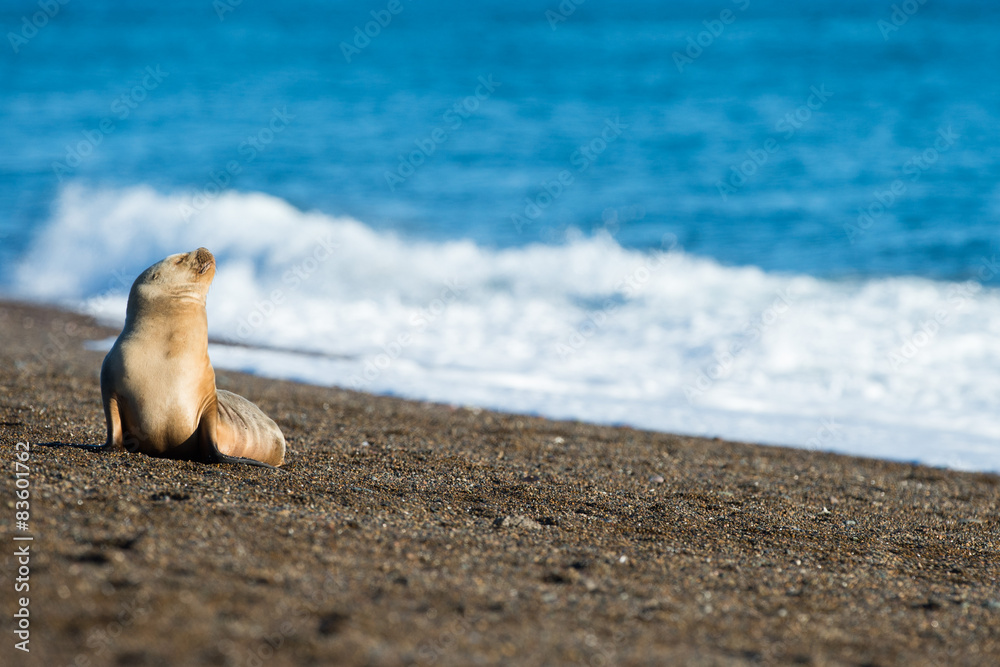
(158, 385)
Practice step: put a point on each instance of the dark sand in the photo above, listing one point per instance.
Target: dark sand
(383, 540)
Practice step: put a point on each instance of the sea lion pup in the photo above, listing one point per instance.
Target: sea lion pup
(158, 385)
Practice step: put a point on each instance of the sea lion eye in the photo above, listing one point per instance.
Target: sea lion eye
(180, 260)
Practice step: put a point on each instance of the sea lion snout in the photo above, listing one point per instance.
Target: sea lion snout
(203, 259)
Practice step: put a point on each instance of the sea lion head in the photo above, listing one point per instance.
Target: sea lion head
(183, 277)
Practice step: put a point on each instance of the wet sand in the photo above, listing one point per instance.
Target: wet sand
(402, 532)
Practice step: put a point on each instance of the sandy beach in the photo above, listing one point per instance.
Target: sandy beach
(402, 533)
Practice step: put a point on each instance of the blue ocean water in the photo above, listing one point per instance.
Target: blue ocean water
(626, 192)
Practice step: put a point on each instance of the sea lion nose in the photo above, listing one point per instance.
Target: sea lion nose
(203, 259)
(203, 256)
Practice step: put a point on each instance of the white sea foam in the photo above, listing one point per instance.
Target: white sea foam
(899, 367)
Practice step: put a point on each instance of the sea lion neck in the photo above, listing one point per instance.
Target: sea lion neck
(165, 312)
(166, 296)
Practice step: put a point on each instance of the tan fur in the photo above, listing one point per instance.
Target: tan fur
(158, 385)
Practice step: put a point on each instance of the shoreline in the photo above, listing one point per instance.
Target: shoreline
(825, 433)
(406, 532)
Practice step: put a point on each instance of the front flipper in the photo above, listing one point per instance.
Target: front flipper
(112, 413)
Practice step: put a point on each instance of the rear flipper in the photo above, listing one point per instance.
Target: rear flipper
(208, 443)
(223, 458)
(243, 433)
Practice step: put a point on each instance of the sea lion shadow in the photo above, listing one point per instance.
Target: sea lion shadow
(243, 463)
(72, 445)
